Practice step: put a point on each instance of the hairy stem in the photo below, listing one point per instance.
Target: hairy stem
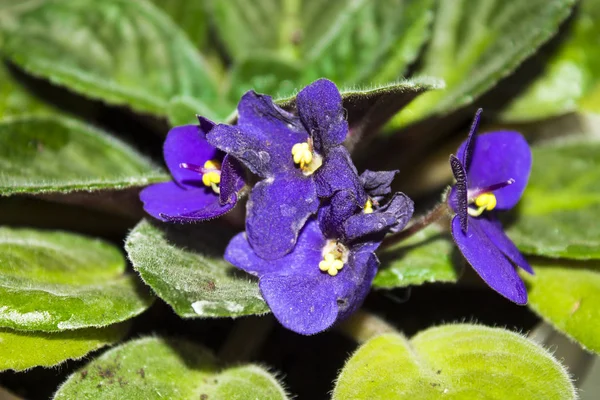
(432, 216)
(362, 326)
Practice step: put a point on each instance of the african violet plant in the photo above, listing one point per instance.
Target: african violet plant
(322, 190)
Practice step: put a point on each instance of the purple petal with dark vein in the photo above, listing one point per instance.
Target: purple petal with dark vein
(333, 213)
(232, 180)
(168, 201)
(493, 230)
(187, 144)
(459, 195)
(498, 157)
(338, 173)
(320, 109)
(276, 211)
(470, 142)
(488, 261)
(377, 183)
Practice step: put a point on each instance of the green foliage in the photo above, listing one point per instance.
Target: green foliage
(184, 265)
(453, 362)
(15, 100)
(23, 350)
(567, 295)
(119, 51)
(155, 368)
(476, 43)
(571, 79)
(56, 281)
(557, 216)
(424, 257)
(49, 154)
(190, 16)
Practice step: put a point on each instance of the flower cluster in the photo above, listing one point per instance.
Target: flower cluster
(312, 223)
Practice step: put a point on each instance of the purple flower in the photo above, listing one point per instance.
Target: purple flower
(323, 279)
(491, 174)
(206, 182)
(299, 158)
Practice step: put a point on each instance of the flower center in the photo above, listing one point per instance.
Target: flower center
(335, 255)
(303, 155)
(210, 171)
(368, 208)
(483, 202)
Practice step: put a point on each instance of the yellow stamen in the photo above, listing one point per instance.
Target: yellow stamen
(483, 202)
(333, 260)
(212, 176)
(303, 155)
(368, 208)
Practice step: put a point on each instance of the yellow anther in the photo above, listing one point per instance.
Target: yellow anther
(331, 263)
(212, 175)
(485, 201)
(368, 208)
(302, 154)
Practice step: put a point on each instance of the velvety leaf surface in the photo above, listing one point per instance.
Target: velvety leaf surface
(558, 214)
(190, 16)
(424, 257)
(475, 43)
(42, 154)
(453, 362)
(120, 51)
(56, 281)
(15, 100)
(571, 80)
(568, 297)
(23, 350)
(375, 45)
(184, 266)
(157, 368)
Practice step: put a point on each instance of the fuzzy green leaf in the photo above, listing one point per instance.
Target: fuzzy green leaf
(453, 362)
(56, 281)
(54, 348)
(42, 154)
(157, 368)
(190, 16)
(568, 297)
(424, 257)
(15, 100)
(120, 51)
(571, 79)
(376, 45)
(476, 43)
(184, 265)
(557, 216)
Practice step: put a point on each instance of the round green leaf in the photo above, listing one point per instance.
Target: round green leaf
(120, 51)
(557, 216)
(424, 257)
(56, 281)
(184, 265)
(568, 297)
(453, 362)
(53, 348)
(157, 368)
(42, 154)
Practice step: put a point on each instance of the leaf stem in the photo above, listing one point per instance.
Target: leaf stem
(432, 216)
(362, 326)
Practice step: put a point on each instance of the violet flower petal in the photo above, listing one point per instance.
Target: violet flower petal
(232, 180)
(493, 230)
(334, 212)
(276, 211)
(167, 201)
(377, 183)
(498, 157)
(459, 201)
(320, 109)
(187, 144)
(339, 173)
(488, 261)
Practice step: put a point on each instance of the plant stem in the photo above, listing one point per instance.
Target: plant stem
(362, 326)
(438, 212)
(245, 339)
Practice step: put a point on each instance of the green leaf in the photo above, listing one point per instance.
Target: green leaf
(56, 281)
(453, 362)
(157, 368)
(294, 29)
(184, 266)
(568, 297)
(376, 45)
(476, 43)
(571, 77)
(15, 100)
(190, 16)
(42, 154)
(53, 348)
(120, 51)
(557, 216)
(424, 257)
